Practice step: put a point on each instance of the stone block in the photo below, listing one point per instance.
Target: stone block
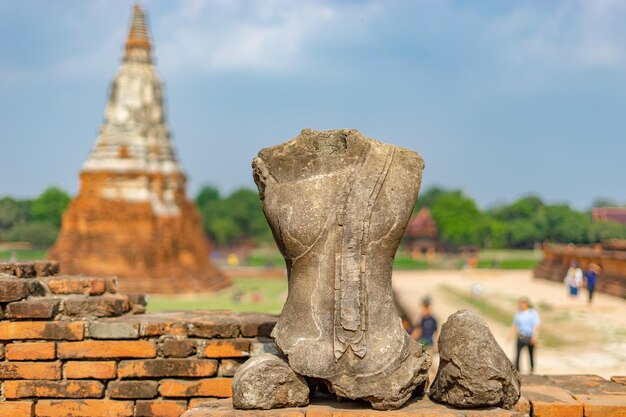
(227, 348)
(551, 401)
(132, 389)
(178, 348)
(160, 408)
(113, 330)
(32, 351)
(603, 405)
(97, 349)
(98, 306)
(209, 387)
(161, 368)
(53, 389)
(12, 289)
(84, 408)
(228, 367)
(41, 330)
(30, 370)
(76, 285)
(34, 308)
(90, 370)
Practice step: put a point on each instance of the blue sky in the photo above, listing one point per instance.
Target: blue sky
(500, 98)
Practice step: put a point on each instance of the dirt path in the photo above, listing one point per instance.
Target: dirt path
(575, 338)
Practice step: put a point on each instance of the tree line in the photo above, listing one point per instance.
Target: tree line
(237, 218)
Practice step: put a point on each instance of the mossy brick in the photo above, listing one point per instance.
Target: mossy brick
(76, 285)
(603, 405)
(228, 367)
(30, 370)
(160, 408)
(24, 330)
(12, 289)
(17, 408)
(105, 349)
(256, 324)
(227, 348)
(113, 330)
(53, 389)
(97, 306)
(31, 351)
(84, 408)
(178, 348)
(34, 308)
(208, 387)
(551, 401)
(161, 368)
(90, 369)
(132, 389)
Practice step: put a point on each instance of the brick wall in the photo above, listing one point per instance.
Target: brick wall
(72, 345)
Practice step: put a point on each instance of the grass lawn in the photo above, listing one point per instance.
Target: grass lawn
(265, 295)
(23, 255)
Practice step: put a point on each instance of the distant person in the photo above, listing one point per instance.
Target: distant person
(526, 325)
(573, 280)
(591, 279)
(425, 333)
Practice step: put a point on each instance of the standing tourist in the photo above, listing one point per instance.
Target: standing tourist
(526, 329)
(427, 330)
(591, 278)
(573, 280)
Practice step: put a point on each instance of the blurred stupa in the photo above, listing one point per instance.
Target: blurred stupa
(132, 217)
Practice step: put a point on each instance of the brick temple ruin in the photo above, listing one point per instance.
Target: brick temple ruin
(610, 255)
(76, 346)
(132, 217)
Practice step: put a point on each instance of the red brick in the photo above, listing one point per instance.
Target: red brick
(90, 370)
(551, 401)
(41, 330)
(84, 408)
(76, 285)
(196, 402)
(46, 268)
(156, 326)
(30, 370)
(99, 306)
(92, 349)
(30, 351)
(217, 325)
(160, 408)
(12, 289)
(53, 389)
(603, 405)
(159, 368)
(174, 348)
(228, 348)
(132, 389)
(209, 387)
(35, 308)
(16, 408)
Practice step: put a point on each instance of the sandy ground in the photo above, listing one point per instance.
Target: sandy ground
(585, 339)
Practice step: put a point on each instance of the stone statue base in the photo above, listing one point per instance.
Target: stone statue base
(326, 407)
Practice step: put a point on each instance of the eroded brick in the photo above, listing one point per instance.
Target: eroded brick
(76, 285)
(98, 306)
(34, 308)
(41, 330)
(95, 349)
(219, 325)
(30, 370)
(159, 368)
(228, 367)
(209, 387)
(90, 369)
(603, 405)
(178, 348)
(16, 408)
(30, 351)
(132, 389)
(12, 289)
(53, 389)
(113, 330)
(84, 408)
(160, 408)
(256, 324)
(551, 401)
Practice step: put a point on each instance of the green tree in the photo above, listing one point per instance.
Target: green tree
(207, 193)
(566, 225)
(49, 206)
(603, 230)
(458, 219)
(13, 211)
(39, 234)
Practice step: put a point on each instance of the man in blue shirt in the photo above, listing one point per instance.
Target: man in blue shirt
(526, 327)
(591, 278)
(428, 325)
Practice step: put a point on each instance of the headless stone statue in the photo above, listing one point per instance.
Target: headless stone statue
(338, 203)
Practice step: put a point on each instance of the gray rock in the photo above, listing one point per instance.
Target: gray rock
(338, 203)
(265, 382)
(473, 369)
